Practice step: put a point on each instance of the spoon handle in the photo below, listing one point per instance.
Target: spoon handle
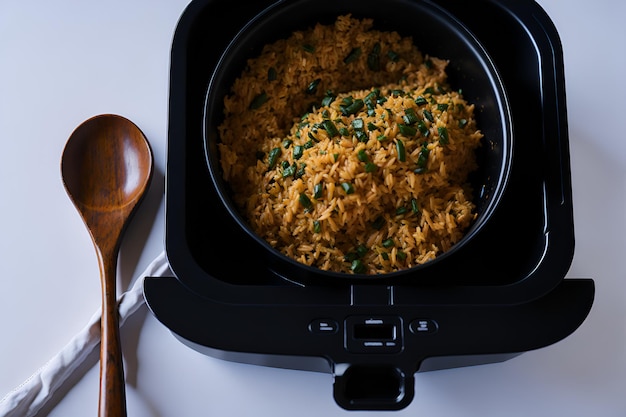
(112, 401)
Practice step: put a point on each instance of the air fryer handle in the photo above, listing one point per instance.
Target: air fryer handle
(372, 387)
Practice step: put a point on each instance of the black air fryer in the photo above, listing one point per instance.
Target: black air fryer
(502, 293)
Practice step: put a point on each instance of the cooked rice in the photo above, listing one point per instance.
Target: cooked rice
(374, 199)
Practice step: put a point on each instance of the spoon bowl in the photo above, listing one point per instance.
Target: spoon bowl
(106, 169)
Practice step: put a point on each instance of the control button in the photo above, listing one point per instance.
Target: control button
(423, 326)
(323, 326)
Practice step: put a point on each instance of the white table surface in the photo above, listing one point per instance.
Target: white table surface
(64, 61)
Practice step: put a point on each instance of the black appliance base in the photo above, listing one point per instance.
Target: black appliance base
(326, 339)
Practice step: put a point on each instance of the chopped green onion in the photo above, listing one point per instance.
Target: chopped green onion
(401, 255)
(422, 160)
(443, 135)
(359, 131)
(371, 126)
(271, 74)
(420, 101)
(353, 107)
(362, 155)
(273, 157)
(318, 189)
(393, 56)
(372, 98)
(414, 207)
(328, 98)
(287, 143)
(330, 127)
(428, 115)
(290, 170)
(361, 135)
(305, 202)
(423, 128)
(347, 187)
(370, 167)
(358, 124)
(401, 210)
(357, 266)
(442, 107)
(401, 151)
(344, 131)
(352, 56)
(410, 117)
(462, 123)
(388, 243)
(300, 173)
(373, 58)
(312, 87)
(298, 151)
(317, 227)
(407, 130)
(258, 101)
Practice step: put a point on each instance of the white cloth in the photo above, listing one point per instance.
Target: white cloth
(30, 396)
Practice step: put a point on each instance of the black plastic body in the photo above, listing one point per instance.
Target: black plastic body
(503, 294)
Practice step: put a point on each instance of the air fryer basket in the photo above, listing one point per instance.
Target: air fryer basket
(437, 34)
(534, 211)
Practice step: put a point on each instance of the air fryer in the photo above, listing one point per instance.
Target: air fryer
(502, 293)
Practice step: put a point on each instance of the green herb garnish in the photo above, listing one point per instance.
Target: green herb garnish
(347, 187)
(273, 157)
(352, 56)
(401, 151)
(443, 135)
(258, 101)
(312, 87)
(305, 202)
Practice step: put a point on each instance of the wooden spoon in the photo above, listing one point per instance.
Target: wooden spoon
(106, 168)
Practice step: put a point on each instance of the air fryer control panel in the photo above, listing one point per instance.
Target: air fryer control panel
(373, 334)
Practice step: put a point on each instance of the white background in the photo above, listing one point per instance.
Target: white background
(64, 61)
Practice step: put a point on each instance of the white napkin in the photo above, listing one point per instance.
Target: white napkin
(30, 396)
